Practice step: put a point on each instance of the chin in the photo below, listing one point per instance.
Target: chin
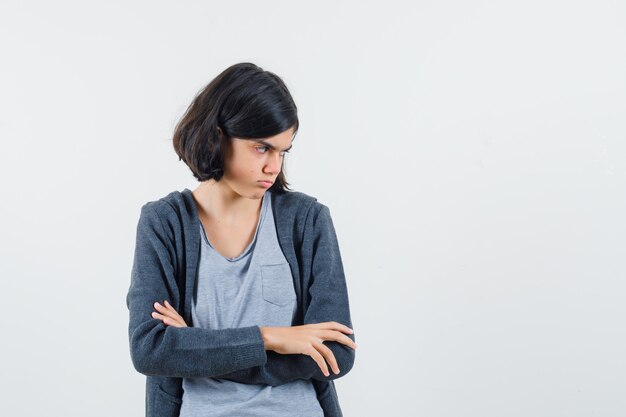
(257, 194)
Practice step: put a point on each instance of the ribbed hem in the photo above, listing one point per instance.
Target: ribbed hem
(252, 353)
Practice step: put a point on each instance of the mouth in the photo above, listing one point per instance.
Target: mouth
(266, 183)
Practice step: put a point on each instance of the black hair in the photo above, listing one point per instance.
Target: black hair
(244, 101)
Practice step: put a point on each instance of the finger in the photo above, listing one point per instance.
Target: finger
(328, 354)
(175, 314)
(160, 317)
(166, 311)
(169, 306)
(170, 312)
(319, 359)
(165, 307)
(167, 320)
(333, 325)
(338, 337)
(341, 327)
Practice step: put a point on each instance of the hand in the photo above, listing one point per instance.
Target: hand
(169, 316)
(308, 339)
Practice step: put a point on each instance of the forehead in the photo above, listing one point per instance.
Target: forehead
(281, 141)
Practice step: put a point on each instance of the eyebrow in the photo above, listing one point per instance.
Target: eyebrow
(270, 145)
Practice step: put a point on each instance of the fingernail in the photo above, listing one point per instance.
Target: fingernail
(156, 304)
(336, 372)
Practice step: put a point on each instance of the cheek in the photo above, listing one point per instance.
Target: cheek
(244, 164)
(248, 168)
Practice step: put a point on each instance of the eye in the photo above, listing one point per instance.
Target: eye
(265, 147)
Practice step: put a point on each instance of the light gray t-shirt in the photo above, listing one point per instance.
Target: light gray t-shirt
(254, 288)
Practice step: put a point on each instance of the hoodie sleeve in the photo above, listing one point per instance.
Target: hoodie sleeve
(157, 349)
(328, 302)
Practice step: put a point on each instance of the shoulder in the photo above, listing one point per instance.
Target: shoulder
(169, 208)
(296, 203)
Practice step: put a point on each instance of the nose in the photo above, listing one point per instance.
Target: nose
(273, 165)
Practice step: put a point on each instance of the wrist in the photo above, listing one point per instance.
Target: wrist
(265, 330)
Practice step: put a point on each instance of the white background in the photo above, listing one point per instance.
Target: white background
(472, 155)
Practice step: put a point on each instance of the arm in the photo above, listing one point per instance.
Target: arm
(158, 349)
(328, 302)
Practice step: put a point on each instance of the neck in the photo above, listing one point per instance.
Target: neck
(217, 200)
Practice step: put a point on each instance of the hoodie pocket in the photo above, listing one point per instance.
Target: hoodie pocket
(163, 404)
(167, 396)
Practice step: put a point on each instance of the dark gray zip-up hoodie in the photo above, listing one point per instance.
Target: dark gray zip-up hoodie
(165, 265)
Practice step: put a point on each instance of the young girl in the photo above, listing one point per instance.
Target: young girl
(238, 302)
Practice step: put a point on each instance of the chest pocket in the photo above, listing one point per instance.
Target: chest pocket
(277, 284)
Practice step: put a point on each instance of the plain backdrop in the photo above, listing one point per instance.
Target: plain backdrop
(472, 155)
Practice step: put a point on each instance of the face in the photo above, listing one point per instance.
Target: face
(248, 161)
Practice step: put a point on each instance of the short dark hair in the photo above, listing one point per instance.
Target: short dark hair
(244, 101)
